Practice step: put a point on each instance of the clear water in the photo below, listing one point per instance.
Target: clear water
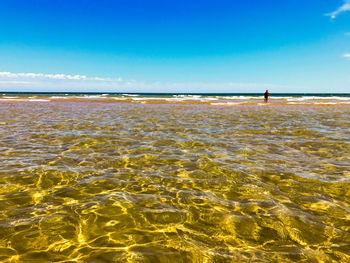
(109, 180)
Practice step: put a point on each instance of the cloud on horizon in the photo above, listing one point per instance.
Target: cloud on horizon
(39, 82)
(53, 76)
(345, 7)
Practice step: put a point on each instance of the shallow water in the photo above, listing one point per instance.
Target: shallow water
(86, 181)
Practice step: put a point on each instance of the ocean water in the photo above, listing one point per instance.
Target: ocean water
(228, 99)
(174, 178)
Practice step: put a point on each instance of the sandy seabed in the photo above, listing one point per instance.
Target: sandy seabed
(153, 180)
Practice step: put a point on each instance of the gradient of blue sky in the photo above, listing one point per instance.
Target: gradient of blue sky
(175, 45)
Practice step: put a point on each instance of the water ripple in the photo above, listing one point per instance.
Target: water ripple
(126, 182)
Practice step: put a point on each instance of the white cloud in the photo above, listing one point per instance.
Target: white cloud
(40, 82)
(41, 75)
(53, 76)
(345, 7)
(10, 81)
(347, 56)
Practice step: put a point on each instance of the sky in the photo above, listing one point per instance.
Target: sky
(175, 46)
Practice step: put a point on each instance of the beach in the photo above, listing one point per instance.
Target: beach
(174, 178)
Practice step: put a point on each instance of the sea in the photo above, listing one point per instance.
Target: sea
(132, 177)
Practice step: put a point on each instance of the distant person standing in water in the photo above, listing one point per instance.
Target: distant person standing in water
(266, 96)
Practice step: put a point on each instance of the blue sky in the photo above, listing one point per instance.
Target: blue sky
(175, 45)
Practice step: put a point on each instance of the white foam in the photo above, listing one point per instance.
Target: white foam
(58, 97)
(227, 103)
(318, 102)
(202, 99)
(131, 95)
(325, 103)
(308, 98)
(240, 97)
(90, 97)
(121, 98)
(145, 98)
(187, 96)
(13, 99)
(36, 100)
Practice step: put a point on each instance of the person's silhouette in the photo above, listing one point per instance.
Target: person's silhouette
(266, 96)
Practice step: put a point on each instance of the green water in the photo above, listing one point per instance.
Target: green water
(125, 182)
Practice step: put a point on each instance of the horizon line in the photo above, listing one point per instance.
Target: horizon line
(173, 93)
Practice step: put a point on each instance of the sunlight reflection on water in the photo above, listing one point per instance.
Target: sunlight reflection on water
(114, 182)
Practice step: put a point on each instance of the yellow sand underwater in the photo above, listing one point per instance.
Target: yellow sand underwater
(91, 180)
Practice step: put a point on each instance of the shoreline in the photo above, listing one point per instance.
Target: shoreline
(205, 99)
(213, 101)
